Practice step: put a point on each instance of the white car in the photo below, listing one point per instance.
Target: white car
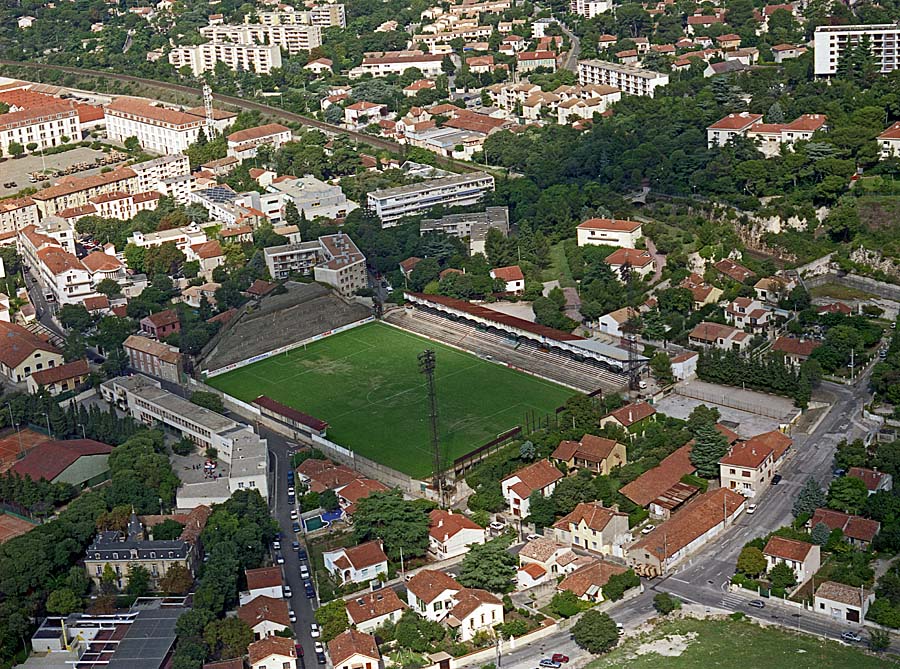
(292, 616)
(294, 514)
(304, 572)
(751, 509)
(648, 529)
(532, 537)
(319, 647)
(279, 558)
(314, 631)
(287, 591)
(276, 544)
(290, 490)
(497, 526)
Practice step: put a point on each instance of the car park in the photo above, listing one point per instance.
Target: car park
(314, 631)
(851, 636)
(757, 604)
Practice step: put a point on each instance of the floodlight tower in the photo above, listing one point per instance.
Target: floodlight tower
(207, 105)
(634, 374)
(426, 367)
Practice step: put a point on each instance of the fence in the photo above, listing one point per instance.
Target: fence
(465, 462)
(727, 399)
(284, 349)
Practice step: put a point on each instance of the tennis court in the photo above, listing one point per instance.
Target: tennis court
(13, 444)
(366, 383)
(13, 526)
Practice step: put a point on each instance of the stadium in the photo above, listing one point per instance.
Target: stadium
(494, 373)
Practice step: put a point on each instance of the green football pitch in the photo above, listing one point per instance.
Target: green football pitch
(366, 383)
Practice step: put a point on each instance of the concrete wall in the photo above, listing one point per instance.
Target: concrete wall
(888, 291)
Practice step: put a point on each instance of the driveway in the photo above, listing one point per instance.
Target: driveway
(658, 258)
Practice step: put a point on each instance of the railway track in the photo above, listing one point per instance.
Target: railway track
(240, 103)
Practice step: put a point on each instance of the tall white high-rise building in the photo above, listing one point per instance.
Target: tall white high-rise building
(830, 42)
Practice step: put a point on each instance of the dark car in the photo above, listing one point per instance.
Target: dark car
(295, 545)
(776, 479)
(295, 526)
(301, 553)
(292, 500)
(559, 657)
(320, 658)
(299, 649)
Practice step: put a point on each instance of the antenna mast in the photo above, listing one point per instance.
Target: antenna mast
(426, 367)
(207, 104)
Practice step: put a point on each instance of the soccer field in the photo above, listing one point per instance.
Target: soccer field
(366, 383)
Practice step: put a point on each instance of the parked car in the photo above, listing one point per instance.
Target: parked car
(295, 526)
(299, 648)
(290, 490)
(292, 500)
(314, 631)
(757, 604)
(301, 553)
(320, 648)
(295, 545)
(294, 514)
(751, 509)
(292, 616)
(532, 537)
(776, 479)
(276, 544)
(320, 658)
(304, 572)
(648, 529)
(839, 472)
(851, 636)
(552, 664)
(497, 526)
(279, 558)
(559, 657)
(287, 592)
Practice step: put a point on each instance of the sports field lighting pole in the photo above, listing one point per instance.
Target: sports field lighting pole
(426, 367)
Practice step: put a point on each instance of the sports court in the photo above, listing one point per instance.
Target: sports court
(366, 383)
(12, 444)
(13, 526)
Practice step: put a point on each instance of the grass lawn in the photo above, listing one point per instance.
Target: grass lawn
(838, 292)
(559, 269)
(366, 383)
(726, 643)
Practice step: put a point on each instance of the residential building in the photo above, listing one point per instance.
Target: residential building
(889, 141)
(153, 358)
(265, 616)
(244, 143)
(17, 213)
(341, 265)
(472, 226)
(352, 649)
(292, 38)
(596, 454)
(857, 531)
(183, 238)
(59, 379)
(46, 249)
(830, 43)
(724, 130)
(450, 534)
(609, 232)
(45, 126)
(123, 551)
(627, 78)
(783, 52)
(474, 610)
(512, 277)
(593, 527)
(382, 63)
(803, 558)
(351, 494)
(773, 289)
(273, 652)
(161, 324)
(875, 480)
(371, 610)
(749, 466)
(660, 489)
(328, 15)
(733, 270)
(392, 204)
(79, 462)
(638, 261)
(590, 8)
(153, 174)
(703, 293)
(77, 191)
(795, 350)
(540, 477)
(22, 353)
(361, 114)
(287, 259)
(699, 521)
(262, 582)
(842, 602)
(588, 581)
(242, 455)
(684, 365)
(312, 197)
(554, 558)
(200, 58)
(633, 418)
(613, 323)
(532, 60)
(716, 335)
(430, 593)
(158, 129)
(749, 314)
(356, 564)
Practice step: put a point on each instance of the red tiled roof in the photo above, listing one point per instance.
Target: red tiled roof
(778, 441)
(410, 263)
(206, 250)
(511, 273)
(373, 605)
(870, 477)
(594, 514)
(288, 412)
(351, 642)
(795, 346)
(617, 225)
(835, 308)
(534, 570)
(17, 343)
(264, 577)
(736, 121)
(264, 609)
(891, 133)
(96, 303)
(99, 261)
(853, 527)
(807, 123)
(633, 257)
(69, 370)
(261, 288)
(36, 115)
(595, 574)
(59, 261)
(155, 115)
(365, 555)
(445, 524)
(428, 584)
(732, 269)
(788, 549)
(51, 458)
(271, 645)
(590, 448)
(325, 475)
(710, 332)
(257, 133)
(360, 489)
(537, 475)
(745, 454)
(632, 413)
(469, 599)
(654, 482)
(163, 318)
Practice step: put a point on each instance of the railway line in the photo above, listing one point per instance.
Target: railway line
(241, 103)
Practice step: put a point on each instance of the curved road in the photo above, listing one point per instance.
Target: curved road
(571, 62)
(241, 103)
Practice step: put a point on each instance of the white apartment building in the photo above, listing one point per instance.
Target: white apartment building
(244, 143)
(48, 250)
(829, 42)
(313, 197)
(117, 204)
(328, 16)
(467, 33)
(183, 238)
(291, 38)
(382, 63)
(237, 445)
(287, 259)
(609, 232)
(45, 126)
(17, 213)
(77, 191)
(153, 174)
(325, 16)
(258, 58)
(630, 80)
(158, 129)
(590, 8)
(725, 129)
(342, 266)
(459, 190)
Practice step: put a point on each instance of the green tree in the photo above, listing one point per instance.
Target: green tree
(177, 581)
(328, 500)
(847, 494)
(108, 580)
(75, 317)
(15, 149)
(62, 602)
(541, 510)
(751, 561)
(332, 618)
(208, 400)
(489, 566)
(565, 604)
(879, 640)
(168, 530)
(664, 603)
(782, 576)
(820, 534)
(702, 415)
(810, 498)
(228, 638)
(709, 447)
(400, 524)
(138, 580)
(108, 287)
(661, 367)
(596, 632)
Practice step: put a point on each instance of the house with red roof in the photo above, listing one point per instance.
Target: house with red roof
(597, 454)
(272, 652)
(609, 232)
(262, 582)
(353, 649)
(540, 477)
(450, 534)
(350, 494)
(430, 593)
(266, 616)
(632, 417)
(587, 582)
(593, 527)
(796, 350)
(61, 378)
(875, 480)
(23, 353)
(244, 144)
(889, 141)
(803, 558)
(749, 314)
(512, 277)
(749, 466)
(660, 489)
(834, 308)
(639, 261)
(361, 114)
(733, 270)
(357, 564)
(371, 610)
(161, 324)
(718, 335)
(859, 532)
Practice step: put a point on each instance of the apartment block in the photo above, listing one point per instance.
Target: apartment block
(332, 259)
(382, 63)
(258, 58)
(44, 126)
(630, 80)
(16, 213)
(290, 38)
(157, 128)
(153, 174)
(459, 190)
(830, 42)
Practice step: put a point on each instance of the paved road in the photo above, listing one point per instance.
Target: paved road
(571, 62)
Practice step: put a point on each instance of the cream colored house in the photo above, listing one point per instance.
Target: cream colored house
(597, 454)
(22, 353)
(474, 610)
(804, 559)
(610, 232)
(593, 527)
